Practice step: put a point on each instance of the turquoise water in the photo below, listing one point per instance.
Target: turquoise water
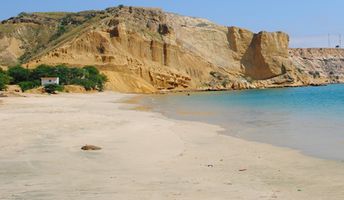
(309, 119)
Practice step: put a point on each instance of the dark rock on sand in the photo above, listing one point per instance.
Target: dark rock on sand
(90, 148)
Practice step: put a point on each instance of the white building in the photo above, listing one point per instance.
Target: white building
(50, 80)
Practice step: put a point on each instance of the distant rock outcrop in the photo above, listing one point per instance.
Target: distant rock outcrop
(318, 66)
(147, 50)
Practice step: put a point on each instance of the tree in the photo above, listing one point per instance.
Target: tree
(94, 77)
(18, 74)
(91, 70)
(63, 72)
(43, 71)
(77, 73)
(27, 85)
(4, 80)
(87, 84)
(89, 76)
(99, 81)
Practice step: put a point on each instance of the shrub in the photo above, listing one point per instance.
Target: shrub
(315, 74)
(95, 80)
(87, 84)
(99, 80)
(91, 70)
(4, 80)
(59, 32)
(18, 74)
(43, 71)
(63, 72)
(76, 73)
(27, 85)
(89, 77)
(52, 88)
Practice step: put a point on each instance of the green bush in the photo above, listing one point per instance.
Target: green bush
(4, 80)
(87, 84)
(94, 76)
(18, 74)
(76, 73)
(89, 77)
(99, 80)
(60, 31)
(63, 72)
(43, 71)
(91, 70)
(52, 88)
(27, 85)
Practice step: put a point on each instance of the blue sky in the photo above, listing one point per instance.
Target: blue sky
(308, 22)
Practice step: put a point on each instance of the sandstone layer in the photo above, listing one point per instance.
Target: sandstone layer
(147, 50)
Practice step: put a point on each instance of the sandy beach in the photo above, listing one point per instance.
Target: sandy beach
(144, 156)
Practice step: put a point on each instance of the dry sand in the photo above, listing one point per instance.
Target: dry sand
(144, 156)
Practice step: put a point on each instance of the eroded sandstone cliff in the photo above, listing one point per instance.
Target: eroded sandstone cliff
(319, 66)
(147, 50)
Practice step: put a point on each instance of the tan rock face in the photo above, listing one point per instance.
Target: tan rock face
(147, 50)
(139, 57)
(267, 56)
(239, 40)
(10, 50)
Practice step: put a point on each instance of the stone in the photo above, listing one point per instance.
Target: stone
(90, 148)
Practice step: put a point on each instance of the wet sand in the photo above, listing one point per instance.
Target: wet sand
(144, 156)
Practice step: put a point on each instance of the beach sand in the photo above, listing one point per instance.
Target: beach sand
(144, 155)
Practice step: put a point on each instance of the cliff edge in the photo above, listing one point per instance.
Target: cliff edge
(147, 50)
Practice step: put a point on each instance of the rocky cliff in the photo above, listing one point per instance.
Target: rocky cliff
(147, 50)
(319, 66)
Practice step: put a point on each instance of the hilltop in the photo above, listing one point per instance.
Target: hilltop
(147, 50)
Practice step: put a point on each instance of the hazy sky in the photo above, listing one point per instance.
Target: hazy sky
(308, 22)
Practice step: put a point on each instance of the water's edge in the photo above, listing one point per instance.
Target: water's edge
(146, 103)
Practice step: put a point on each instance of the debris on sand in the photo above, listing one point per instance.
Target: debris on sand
(90, 148)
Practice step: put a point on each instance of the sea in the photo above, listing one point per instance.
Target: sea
(308, 119)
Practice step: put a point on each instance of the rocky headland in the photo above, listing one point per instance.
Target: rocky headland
(144, 50)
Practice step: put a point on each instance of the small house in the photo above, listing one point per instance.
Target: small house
(50, 80)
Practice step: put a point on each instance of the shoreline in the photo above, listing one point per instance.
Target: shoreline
(203, 115)
(145, 155)
(243, 89)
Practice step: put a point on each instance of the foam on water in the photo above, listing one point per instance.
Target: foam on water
(310, 119)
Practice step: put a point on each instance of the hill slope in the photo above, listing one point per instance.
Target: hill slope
(145, 50)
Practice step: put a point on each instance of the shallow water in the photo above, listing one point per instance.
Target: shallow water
(309, 119)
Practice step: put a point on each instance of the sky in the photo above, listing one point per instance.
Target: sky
(308, 22)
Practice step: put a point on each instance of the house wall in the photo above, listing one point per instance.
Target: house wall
(48, 81)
